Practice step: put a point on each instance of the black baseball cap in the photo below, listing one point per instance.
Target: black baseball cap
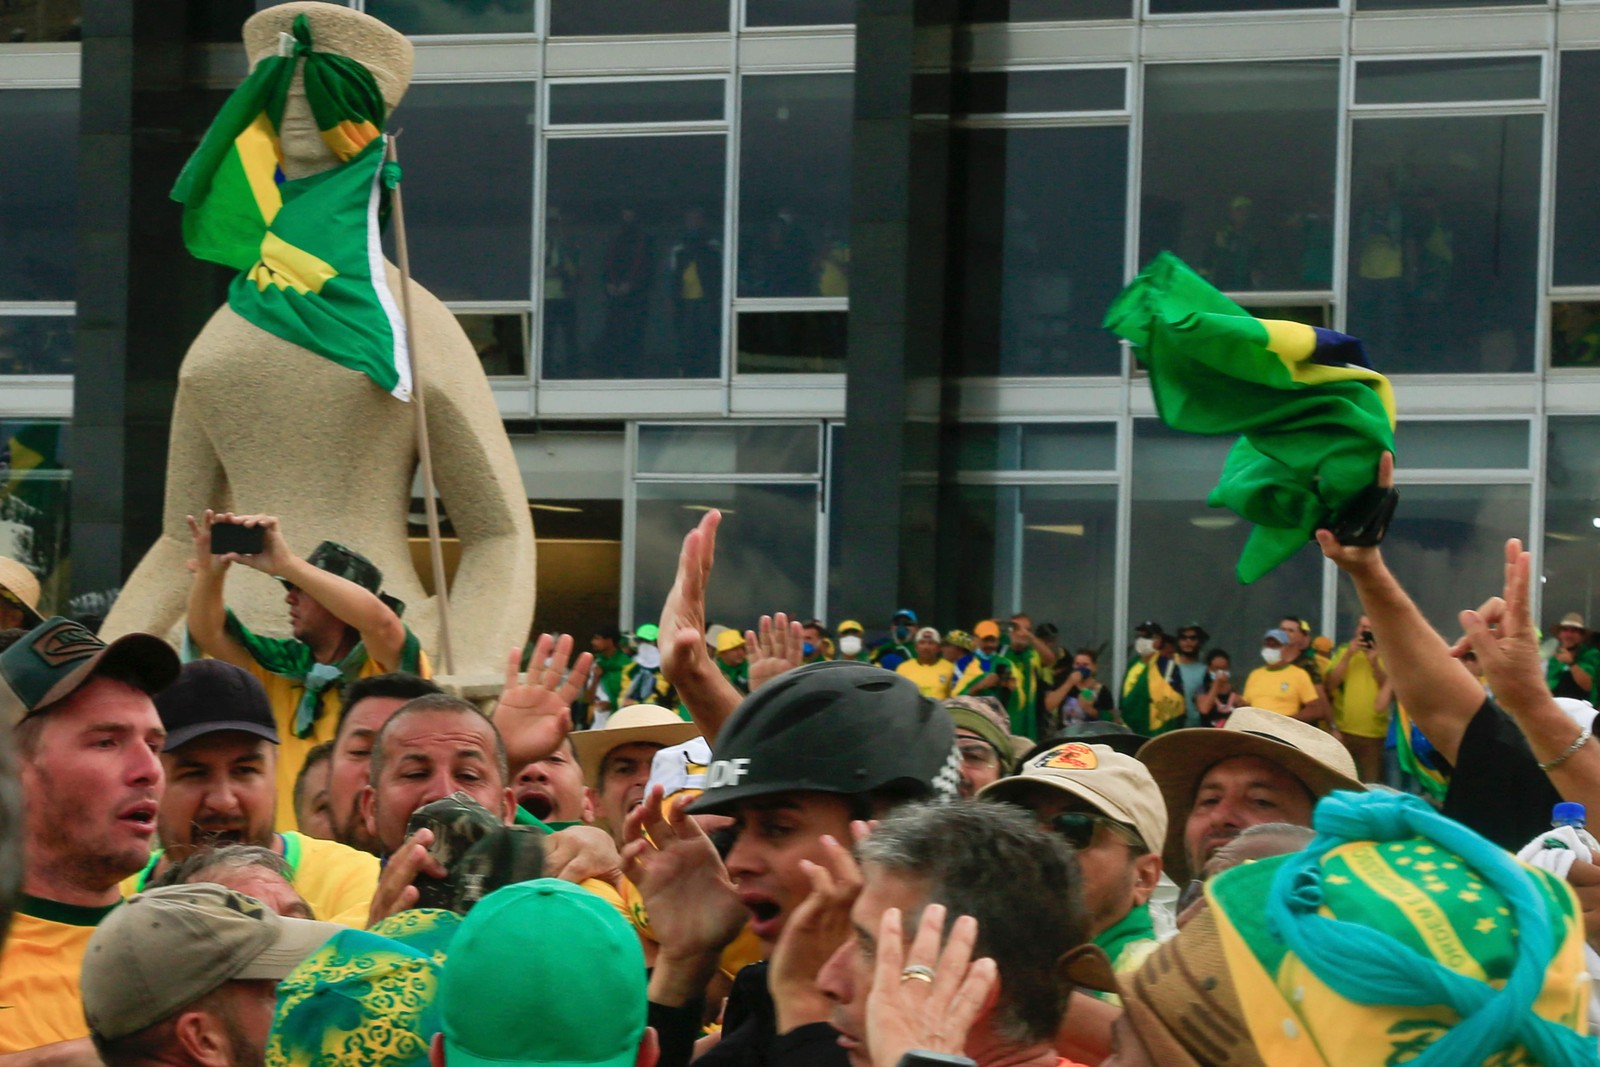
(211, 696)
(54, 659)
(1149, 628)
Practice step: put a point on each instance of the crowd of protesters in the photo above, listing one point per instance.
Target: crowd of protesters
(793, 847)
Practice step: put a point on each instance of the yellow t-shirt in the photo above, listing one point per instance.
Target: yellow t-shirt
(1355, 702)
(1285, 690)
(40, 1001)
(935, 679)
(284, 694)
(336, 880)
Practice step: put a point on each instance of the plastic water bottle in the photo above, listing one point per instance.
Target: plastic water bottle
(1569, 813)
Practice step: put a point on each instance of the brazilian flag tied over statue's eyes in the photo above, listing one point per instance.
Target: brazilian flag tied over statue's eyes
(310, 249)
(1313, 417)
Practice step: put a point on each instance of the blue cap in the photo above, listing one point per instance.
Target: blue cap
(907, 612)
(1569, 811)
(1280, 636)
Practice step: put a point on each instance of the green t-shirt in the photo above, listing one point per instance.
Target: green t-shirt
(611, 666)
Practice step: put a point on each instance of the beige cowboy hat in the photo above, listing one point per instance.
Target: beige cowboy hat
(1178, 760)
(648, 724)
(20, 588)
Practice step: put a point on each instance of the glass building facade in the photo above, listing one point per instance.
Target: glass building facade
(649, 219)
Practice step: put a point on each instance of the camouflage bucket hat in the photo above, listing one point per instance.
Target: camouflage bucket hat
(352, 566)
(478, 852)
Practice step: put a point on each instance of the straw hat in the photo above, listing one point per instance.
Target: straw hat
(17, 580)
(648, 724)
(1178, 760)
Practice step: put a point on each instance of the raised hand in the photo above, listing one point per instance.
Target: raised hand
(1357, 557)
(927, 998)
(274, 555)
(534, 713)
(685, 660)
(693, 906)
(813, 934)
(200, 533)
(395, 892)
(777, 645)
(1502, 634)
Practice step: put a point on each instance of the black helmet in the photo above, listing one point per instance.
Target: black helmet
(833, 727)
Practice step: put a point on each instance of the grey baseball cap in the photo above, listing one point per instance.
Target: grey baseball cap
(165, 948)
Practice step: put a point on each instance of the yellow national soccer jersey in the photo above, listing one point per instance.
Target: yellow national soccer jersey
(1285, 690)
(40, 1001)
(935, 679)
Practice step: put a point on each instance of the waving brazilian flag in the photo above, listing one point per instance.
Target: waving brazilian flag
(309, 250)
(1313, 417)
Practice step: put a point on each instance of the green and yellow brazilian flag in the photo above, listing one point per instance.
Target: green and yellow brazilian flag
(1313, 418)
(309, 250)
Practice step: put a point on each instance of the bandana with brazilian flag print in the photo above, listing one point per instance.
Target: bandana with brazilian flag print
(1314, 418)
(1400, 936)
(309, 250)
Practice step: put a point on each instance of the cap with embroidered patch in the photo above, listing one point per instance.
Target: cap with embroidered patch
(1117, 786)
(56, 658)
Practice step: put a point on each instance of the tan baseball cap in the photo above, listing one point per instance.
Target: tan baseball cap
(1117, 786)
(165, 948)
(648, 724)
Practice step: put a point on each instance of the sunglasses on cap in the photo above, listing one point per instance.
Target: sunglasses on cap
(1078, 828)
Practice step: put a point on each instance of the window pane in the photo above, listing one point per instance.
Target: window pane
(1477, 444)
(1041, 255)
(768, 560)
(1190, 7)
(1572, 520)
(38, 193)
(799, 12)
(35, 492)
(23, 21)
(500, 339)
(1444, 241)
(455, 16)
(1577, 253)
(728, 449)
(593, 18)
(1239, 171)
(1024, 91)
(792, 342)
(470, 225)
(1073, 446)
(1423, 81)
(1184, 553)
(36, 344)
(1575, 334)
(1048, 10)
(794, 185)
(1407, 5)
(1447, 547)
(643, 219)
(1049, 550)
(691, 100)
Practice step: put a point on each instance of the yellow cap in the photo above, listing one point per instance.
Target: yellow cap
(729, 639)
(850, 626)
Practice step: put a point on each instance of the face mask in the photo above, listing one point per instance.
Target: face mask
(808, 648)
(902, 633)
(850, 645)
(1086, 671)
(1272, 655)
(1144, 646)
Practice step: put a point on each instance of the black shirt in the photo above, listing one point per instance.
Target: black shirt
(750, 1035)
(1497, 787)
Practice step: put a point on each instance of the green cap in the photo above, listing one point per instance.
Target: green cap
(54, 659)
(648, 632)
(545, 973)
(360, 998)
